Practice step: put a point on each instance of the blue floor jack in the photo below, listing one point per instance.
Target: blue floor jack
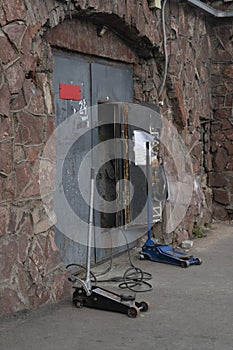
(166, 254)
(162, 252)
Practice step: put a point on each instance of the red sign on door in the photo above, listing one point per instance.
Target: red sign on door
(70, 92)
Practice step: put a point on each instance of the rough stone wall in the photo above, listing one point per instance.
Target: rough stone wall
(31, 271)
(187, 102)
(221, 176)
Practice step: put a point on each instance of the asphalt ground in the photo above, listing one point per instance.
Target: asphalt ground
(190, 309)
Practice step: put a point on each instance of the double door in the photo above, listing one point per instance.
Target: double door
(85, 87)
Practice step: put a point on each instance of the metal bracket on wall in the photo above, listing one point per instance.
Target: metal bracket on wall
(154, 4)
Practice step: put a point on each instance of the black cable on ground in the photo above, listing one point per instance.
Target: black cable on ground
(133, 279)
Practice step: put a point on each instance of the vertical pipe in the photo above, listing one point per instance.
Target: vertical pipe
(148, 189)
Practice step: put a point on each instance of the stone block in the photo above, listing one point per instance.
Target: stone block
(28, 59)
(5, 127)
(197, 150)
(217, 179)
(37, 102)
(2, 18)
(47, 176)
(226, 124)
(60, 285)
(6, 157)
(216, 133)
(220, 90)
(53, 256)
(220, 159)
(216, 127)
(15, 32)
(138, 92)
(23, 283)
(15, 78)
(221, 196)
(18, 101)
(9, 301)
(19, 154)
(222, 113)
(221, 55)
(173, 67)
(208, 198)
(208, 162)
(43, 225)
(37, 254)
(214, 146)
(7, 52)
(33, 272)
(44, 83)
(229, 147)
(38, 295)
(219, 212)
(216, 80)
(228, 100)
(183, 25)
(11, 228)
(218, 101)
(180, 114)
(4, 217)
(14, 10)
(23, 175)
(229, 134)
(33, 188)
(31, 128)
(4, 102)
(23, 223)
(8, 258)
(33, 153)
(24, 245)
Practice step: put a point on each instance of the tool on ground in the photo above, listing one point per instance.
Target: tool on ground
(166, 254)
(94, 296)
(159, 252)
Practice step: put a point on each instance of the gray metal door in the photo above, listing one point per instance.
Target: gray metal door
(73, 71)
(109, 84)
(98, 83)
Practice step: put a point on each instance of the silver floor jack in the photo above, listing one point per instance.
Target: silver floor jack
(96, 297)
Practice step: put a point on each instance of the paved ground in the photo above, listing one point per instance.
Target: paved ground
(191, 309)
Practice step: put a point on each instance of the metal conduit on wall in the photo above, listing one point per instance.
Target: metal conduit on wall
(212, 11)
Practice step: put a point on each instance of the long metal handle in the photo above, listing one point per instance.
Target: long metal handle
(148, 189)
(90, 228)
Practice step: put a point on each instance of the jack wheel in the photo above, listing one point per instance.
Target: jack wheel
(144, 306)
(142, 257)
(133, 312)
(199, 261)
(185, 264)
(78, 303)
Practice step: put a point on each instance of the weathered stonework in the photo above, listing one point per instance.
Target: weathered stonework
(197, 99)
(221, 176)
